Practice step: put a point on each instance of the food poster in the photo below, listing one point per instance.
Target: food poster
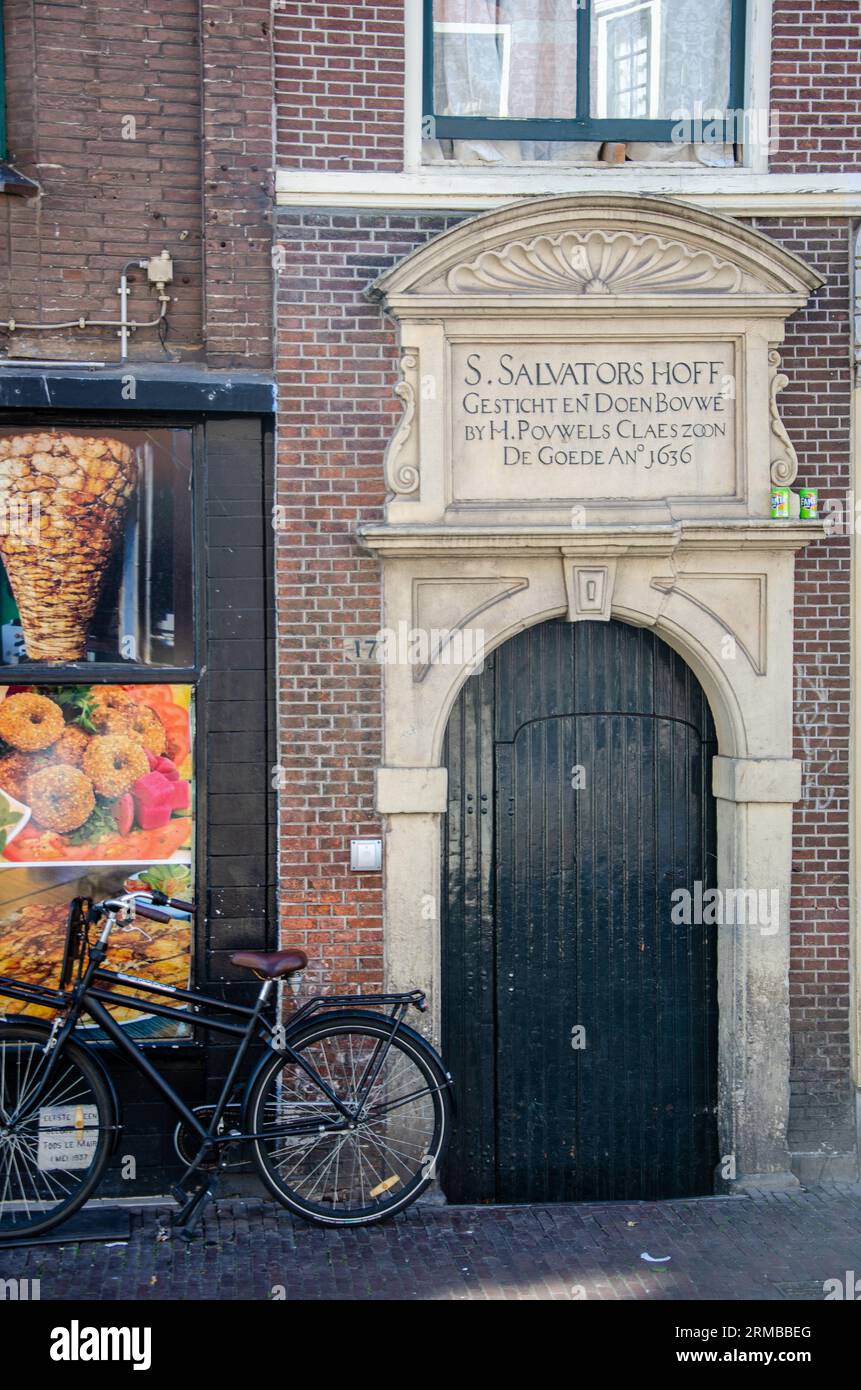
(34, 906)
(96, 798)
(95, 547)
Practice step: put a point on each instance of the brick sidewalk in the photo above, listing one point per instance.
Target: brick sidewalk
(768, 1246)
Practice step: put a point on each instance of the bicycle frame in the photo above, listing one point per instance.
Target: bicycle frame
(97, 987)
(87, 987)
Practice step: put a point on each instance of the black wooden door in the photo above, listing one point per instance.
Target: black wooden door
(579, 1021)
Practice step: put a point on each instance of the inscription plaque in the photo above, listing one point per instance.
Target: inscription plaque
(544, 420)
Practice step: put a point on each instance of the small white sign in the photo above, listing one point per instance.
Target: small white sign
(366, 855)
(68, 1136)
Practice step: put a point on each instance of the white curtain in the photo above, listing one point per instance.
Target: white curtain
(695, 52)
(517, 58)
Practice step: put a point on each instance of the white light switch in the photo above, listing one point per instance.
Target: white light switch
(366, 856)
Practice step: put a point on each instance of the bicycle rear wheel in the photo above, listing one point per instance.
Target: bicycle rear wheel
(340, 1172)
(54, 1145)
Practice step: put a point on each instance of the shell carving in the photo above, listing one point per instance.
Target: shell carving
(596, 262)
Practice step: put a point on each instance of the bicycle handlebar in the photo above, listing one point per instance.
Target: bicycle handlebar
(161, 900)
(129, 900)
(153, 913)
(143, 909)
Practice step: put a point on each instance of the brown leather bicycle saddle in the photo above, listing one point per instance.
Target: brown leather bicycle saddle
(271, 964)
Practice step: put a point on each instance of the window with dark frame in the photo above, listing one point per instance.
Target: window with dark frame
(574, 70)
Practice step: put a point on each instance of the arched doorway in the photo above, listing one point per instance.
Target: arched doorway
(579, 1021)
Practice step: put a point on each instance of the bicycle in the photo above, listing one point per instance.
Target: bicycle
(347, 1112)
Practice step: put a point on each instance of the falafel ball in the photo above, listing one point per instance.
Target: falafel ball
(71, 746)
(61, 797)
(30, 722)
(107, 703)
(114, 762)
(15, 768)
(145, 724)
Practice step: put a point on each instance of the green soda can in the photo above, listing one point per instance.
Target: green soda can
(809, 503)
(780, 503)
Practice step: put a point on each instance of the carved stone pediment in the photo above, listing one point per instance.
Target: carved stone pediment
(597, 262)
(589, 360)
(613, 244)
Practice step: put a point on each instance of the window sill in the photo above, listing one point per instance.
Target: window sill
(738, 192)
(544, 166)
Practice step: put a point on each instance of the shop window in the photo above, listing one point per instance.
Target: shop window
(97, 704)
(96, 797)
(95, 543)
(581, 72)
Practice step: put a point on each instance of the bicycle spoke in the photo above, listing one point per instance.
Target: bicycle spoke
(367, 1167)
(300, 1158)
(54, 1133)
(399, 1101)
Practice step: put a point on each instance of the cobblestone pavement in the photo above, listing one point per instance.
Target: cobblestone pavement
(765, 1246)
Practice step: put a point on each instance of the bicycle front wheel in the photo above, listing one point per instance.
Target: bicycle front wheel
(54, 1135)
(341, 1171)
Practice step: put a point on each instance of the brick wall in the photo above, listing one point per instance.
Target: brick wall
(339, 84)
(105, 199)
(816, 410)
(339, 73)
(337, 366)
(238, 173)
(181, 70)
(815, 81)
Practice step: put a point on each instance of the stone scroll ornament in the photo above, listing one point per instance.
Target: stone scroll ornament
(402, 455)
(74, 491)
(784, 460)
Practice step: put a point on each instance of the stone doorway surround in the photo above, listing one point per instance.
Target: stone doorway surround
(468, 547)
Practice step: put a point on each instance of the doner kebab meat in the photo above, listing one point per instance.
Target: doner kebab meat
(72, 493)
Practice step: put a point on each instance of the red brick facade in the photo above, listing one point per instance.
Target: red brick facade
(816, 410)
(337, 367)
(339, 84)
(336, 370)
(815, 74)
(186, 68)
(339, 75)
